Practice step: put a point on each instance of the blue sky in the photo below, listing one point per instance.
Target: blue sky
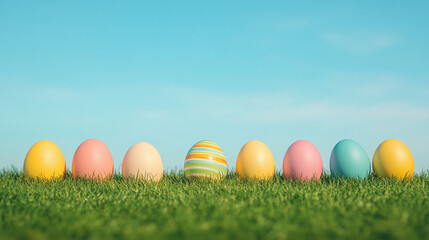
(175, 72)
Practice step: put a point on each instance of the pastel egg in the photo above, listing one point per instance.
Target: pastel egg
(349, 159)
(255, 160)
(143, 161)
(205, 159)
(45, 160)
(302, 161)
(393, 159)
(92, 160)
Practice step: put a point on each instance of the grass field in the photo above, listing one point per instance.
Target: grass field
(202, 209)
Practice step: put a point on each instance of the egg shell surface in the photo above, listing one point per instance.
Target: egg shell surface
(206, 159)
(393, 159)
(143, 161)
(92, 160)
(255, 160)
(349, 159)
(45, 160)
(302, 161)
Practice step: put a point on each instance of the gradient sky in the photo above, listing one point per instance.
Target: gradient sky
(172, 73)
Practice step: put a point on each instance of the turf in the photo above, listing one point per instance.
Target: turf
(179, 208)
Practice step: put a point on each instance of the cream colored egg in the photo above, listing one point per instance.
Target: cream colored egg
(143, 161)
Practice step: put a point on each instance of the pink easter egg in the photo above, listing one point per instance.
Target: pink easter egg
(302, 161)
(92, 160)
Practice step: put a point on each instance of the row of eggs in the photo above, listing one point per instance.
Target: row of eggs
(302, 161)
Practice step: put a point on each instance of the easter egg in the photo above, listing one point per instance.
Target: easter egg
(349, 159)
(143, 161)
(92, 160)
(205, 159)
(45, 160)
(302, 161)
(393, 159)
(255, 160)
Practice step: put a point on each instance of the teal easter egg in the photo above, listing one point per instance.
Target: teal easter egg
(205, 159)
(349, 159)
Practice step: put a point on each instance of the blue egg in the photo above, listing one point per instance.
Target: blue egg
(349, 159)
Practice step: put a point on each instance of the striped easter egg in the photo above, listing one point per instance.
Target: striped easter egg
(205, 159)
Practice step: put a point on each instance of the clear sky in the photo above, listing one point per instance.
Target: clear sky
(172, 73)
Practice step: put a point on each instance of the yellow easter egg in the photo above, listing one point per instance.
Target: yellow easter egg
(393, 159)
(45, 160)
(255, 160)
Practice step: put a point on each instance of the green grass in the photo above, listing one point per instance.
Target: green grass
(202, 209)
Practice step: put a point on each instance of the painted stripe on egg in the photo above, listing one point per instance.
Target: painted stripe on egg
(205, 166)
(203, 171)
(205, 161)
